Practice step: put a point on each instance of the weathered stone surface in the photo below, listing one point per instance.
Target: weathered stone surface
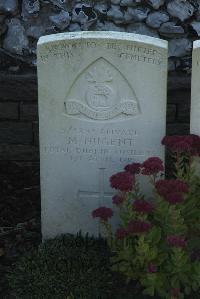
(115, 2)
(9, 6)
(18, 152)
(156, 4)
(9, 110)
(183, 114)
(36, 133)
(179, 94)
(28, 111)
(40, 25)
(60, 3)
(17, 133)
(85, 122)
(3, 28)
(16, 40)
(30, 8)
(196, 26)
(74, 27)
(180, 82)
(178, 129)
(14, 69)
(115, 14)
(155, 19)
(138, 14)
(18, 87)
(195, 91)
(141, 28)
(35, 31)
(2, 18)
(179, 47)
(101, 8)
(170, 29)
(84, 15)
(61, 20)
(171, 113)
(79, 16)
(185, 62)
(174, 63)
(197, 11)
(180, 9)
(108, 26)
(130, 3)
(171, 64)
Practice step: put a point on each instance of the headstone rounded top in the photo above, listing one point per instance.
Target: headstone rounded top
(104, 35)
(196, 44)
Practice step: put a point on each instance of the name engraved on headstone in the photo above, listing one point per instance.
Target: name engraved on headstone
(116, 146)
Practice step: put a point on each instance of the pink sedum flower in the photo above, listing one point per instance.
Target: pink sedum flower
(178, 143)
(103, 213)
(164, 187)
(152, 268)
(174, 198)
(152, 166)
(138, 227)
(176, 241)
(133, 168)
(117, 200)
(122, 181)
(196, 145)
(185, 143)
(175, 293)
(143, 206)
(172, 190)
(121, 233)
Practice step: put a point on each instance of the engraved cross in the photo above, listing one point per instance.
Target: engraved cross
(100, 194)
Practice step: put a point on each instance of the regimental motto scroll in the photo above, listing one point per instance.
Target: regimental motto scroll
(101, 92)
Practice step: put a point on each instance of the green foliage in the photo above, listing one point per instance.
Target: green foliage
(70, 267)
(65, 267)
(162, 268)
(153, 251)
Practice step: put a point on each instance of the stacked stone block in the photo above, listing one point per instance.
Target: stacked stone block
(22, 22)
(18, 118)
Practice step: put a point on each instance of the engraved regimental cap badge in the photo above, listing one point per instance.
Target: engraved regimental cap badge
(101, 92)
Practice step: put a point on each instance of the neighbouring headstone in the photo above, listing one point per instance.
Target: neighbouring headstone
(102, 105)
(195, 92)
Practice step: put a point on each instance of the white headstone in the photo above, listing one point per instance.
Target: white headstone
(102, 105)
(195, 94)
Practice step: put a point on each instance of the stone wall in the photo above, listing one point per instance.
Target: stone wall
(22, 22)
(18, 117)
